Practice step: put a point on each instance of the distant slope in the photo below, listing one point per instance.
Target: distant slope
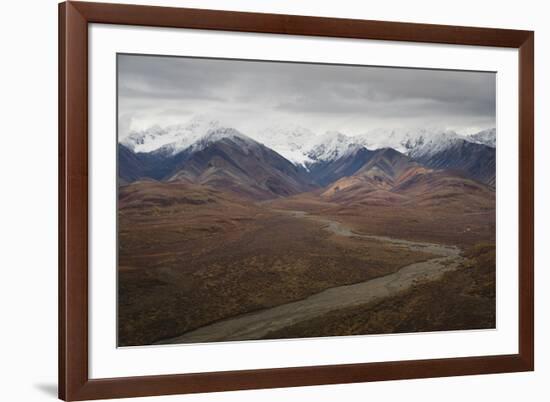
(477, 161)
(146, 194)
(390, 164)
(437, 188)
(153, 165)
(381, 172)
(130, 167)
(326, 172)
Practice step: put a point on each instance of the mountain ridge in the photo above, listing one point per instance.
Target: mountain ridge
(301, 145)
(214, 153)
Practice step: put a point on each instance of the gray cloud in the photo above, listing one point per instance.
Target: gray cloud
(167, 90)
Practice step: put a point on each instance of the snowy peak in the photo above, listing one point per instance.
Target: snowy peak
(218, 134)
(485, 137)
(171, 139)
(411, 142)
(432, 143)
(331, 146)
(381, 138)
(290, 141)
(141, 141)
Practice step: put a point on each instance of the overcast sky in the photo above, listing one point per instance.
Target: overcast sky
(254, 95)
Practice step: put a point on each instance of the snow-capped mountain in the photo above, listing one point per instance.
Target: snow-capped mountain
(331, 146)
(382, 138)
(476, 161)
(216, 134)
(444, 149)
(438, 149)
(171, 139)
(485, 137)
(410, 142)
(303, 147)
(300, 145)
(222, 158)
(431, 143)
(317, 154)
(290, 141)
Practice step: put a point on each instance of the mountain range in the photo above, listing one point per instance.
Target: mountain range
(284, 161)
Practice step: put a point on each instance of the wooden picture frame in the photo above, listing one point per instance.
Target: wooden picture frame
(74, 381)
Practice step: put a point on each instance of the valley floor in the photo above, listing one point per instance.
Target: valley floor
(461, 299)
(201, 265)
(270, 321)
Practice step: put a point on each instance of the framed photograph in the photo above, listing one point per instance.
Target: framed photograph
(259, 200)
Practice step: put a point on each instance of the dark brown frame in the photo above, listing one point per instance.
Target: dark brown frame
(74, 382)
